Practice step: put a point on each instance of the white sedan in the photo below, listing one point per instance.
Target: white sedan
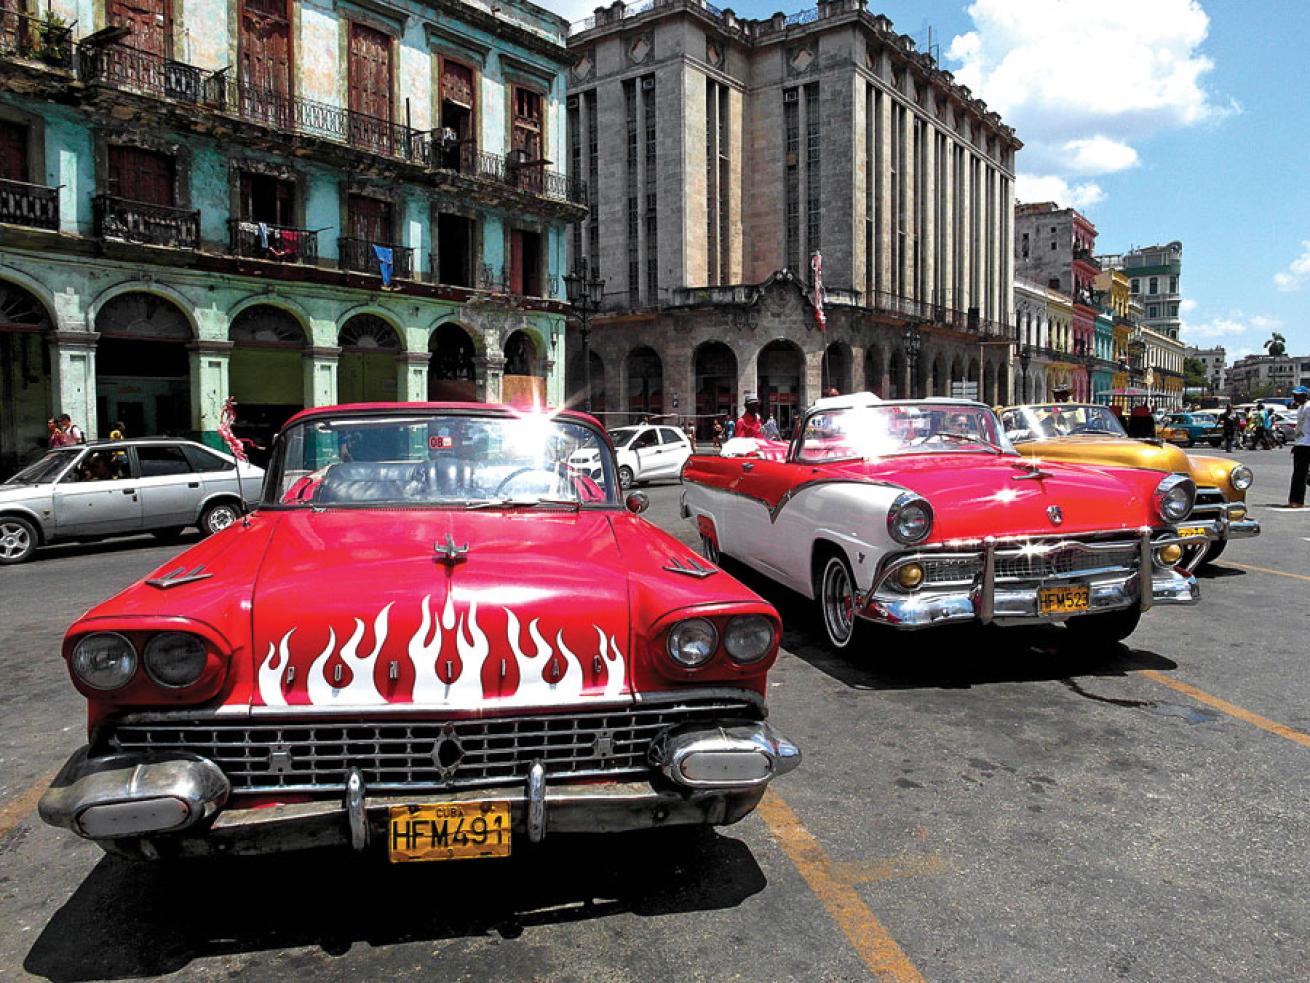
(644, 452)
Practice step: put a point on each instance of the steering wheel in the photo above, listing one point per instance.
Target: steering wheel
(500, 488)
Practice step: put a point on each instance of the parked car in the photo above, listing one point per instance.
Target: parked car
(1091, 434)
(644, 452)
(121, 488)
(920, 513)
(1285, 423)
(432, 646)
(1190, 429)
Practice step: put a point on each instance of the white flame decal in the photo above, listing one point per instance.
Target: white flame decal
(425, 650)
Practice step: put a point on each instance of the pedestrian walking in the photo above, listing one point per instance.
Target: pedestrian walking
(57, 437)
(72, 432)
(1300, 449)
(750, 424)
(771, 430)
(1229, 426)
(719, 431)
(118, 431)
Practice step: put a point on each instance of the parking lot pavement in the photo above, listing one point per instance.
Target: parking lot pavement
(972, 806)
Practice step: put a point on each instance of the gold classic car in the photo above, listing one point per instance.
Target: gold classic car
(1092, 434)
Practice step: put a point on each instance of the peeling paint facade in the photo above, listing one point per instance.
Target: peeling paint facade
(371, 205)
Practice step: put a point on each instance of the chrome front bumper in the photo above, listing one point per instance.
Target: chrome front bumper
(174, 804)
(1232, 522)
(988, 602)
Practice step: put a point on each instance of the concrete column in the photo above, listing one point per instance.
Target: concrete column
(910, 219)
(412, 377)
(73, 388)
(812, 381)
(946, 176)
(210, 386)
(964, 197)
(927, 202)
(321, 376)
(858, 381)
(748, 374)
(882, 169)
(490, 370)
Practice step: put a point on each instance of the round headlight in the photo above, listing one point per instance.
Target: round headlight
(909, 520)
(174, 658)
(1174, 497)
(104, 660)
(692, 642)
(1241, 477)
(748, 637)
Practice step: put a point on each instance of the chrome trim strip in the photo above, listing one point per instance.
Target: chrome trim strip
(178, 577)
(355, 810)
(536, 803)
(987, 589)
(1145, 570)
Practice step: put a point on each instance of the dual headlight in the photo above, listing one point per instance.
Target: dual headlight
(1241, 477)
(909, 520)
(106, 660)
(1174, 497)
(747, 639)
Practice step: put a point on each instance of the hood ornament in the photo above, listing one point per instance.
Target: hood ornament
(450, 554)
(1032, 471)
(178, 577)
(1055, 514)
(690, 566)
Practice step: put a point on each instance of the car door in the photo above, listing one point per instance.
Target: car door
(645, 448)
(98, 496)
(170, 489)
(674, 451)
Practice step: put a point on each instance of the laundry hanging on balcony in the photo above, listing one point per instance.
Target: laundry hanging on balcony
(385, 258)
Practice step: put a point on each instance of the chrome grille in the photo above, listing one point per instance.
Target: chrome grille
(1036, 562)
(1209, 503)
(394, 755)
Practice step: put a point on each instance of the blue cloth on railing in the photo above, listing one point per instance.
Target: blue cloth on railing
(385, 259)
(263, 235)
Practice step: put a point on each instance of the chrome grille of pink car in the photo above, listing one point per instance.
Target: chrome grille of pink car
(1016, 563)
(396, 755)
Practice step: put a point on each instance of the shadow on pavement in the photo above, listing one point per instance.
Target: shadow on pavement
(132, 919)
(1212, 572)
(110, 546)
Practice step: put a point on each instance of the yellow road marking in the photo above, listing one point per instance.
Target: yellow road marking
(16, 810)
(871, 871)
(1232, 709)
(1277, 573)
(844, 905)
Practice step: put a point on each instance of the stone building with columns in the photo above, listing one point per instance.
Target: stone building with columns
(722, 154)
(364, 208)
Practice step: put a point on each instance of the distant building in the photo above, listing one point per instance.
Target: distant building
(1155, 351)
(1267, 375)
(1215, 361)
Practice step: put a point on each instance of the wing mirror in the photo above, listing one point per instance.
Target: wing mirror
(637, 502)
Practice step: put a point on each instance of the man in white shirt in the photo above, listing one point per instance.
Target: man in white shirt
(1300, 448)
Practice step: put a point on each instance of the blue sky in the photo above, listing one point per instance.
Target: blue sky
(1161, 120)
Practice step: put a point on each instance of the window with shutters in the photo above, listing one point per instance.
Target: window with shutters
(268, 199)
(13, 151)
(142, 175)
(264, 48)
(150, 21)
(525, 255)
(458, 117)
(526, 134)
(369, 78)
(369, 219)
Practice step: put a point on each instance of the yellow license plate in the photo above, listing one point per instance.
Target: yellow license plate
(449, 831)
(1063, 600)
(1186, 531)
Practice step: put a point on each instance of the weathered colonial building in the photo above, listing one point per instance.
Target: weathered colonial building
(1156, 352)
(722, 154)
(1214, 362)
(292, 202)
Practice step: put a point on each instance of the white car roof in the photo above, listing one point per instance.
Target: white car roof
(854, 400)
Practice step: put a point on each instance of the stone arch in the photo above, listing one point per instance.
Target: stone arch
(452, 364)
(835, 368)
(108, 297)
(874, 366)
(366, 369)
(271, 300)
(143, 362)
(937, 383)
(644, 389)
(895, 376)
(780, 368)
(266, 373)
(715, 373)
(374, 311)
(524, 381)
(27, 393)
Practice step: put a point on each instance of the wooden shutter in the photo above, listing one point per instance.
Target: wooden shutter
(370, 71)
(516, 262)
(13, 151)
(142, 175)
(150, 21)
(370, 219)
(265, 46)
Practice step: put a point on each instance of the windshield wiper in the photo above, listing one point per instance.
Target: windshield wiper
(525, 503)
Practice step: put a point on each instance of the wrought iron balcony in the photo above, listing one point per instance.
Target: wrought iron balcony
(360, 256)
(44, 39)
(135, 70)
(529, 176)
(294, 114)
(33, 205)
(140, 222)
(276, 243)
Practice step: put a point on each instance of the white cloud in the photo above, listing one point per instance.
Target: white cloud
(1082, 82)
(1186, 306)
(1049, 187)
(1297, 272)
(1255, 326)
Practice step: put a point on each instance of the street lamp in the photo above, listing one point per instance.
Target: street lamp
(913, 342)
(585, 294)
(1025, 356)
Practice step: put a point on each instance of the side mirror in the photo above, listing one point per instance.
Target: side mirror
(637, 502)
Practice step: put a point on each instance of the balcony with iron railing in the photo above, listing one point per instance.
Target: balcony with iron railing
(275, 243)
(361, 256)
(515, 172)
(32, 205)
(140, 222)
(46, 39)
(122, 66)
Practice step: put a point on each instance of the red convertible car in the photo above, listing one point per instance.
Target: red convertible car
(433, 637)
(919, 513)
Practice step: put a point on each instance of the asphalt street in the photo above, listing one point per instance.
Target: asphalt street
(973, 806)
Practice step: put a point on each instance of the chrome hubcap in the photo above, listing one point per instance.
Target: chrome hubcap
(221, 518)
(838, 602)
(625, 477)
(14, 540)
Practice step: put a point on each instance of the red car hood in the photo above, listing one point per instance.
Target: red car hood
(356, 609)
(973, 495)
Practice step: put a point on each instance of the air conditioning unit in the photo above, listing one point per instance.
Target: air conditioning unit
(648, 84)
(791, 95)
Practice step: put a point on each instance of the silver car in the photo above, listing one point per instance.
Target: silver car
(119, 488)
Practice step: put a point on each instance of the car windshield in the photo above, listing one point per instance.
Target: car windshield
(438, 460)
(623, 436)
(863, 432)
(1059, 420)
(45, 468)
